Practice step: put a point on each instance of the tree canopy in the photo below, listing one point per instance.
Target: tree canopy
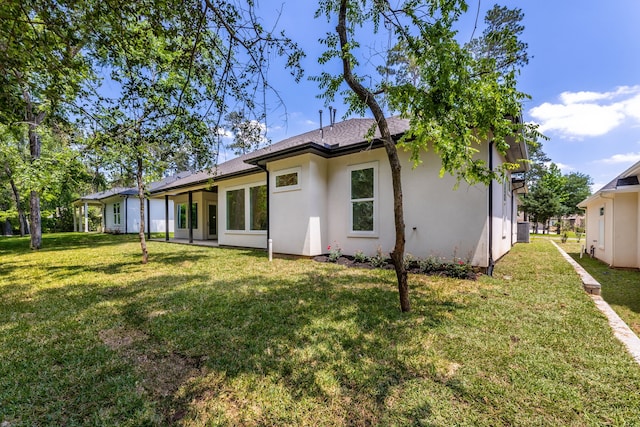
(454, 98)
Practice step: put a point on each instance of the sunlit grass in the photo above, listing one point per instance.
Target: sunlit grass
(620, 287)
(210, 336)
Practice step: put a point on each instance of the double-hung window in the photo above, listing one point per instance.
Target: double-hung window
(363, 198)
(116, 214)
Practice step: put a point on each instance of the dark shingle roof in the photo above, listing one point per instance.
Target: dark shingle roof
(341, 135)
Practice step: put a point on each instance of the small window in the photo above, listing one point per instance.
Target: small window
(363, 203)
(288, 179)
(235, 209)
(116, 214)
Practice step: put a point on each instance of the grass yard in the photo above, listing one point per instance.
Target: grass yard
(210, 336)
(620, 287)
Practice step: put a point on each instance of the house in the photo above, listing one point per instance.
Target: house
(120, 209)
(332, 187)
(613, 220)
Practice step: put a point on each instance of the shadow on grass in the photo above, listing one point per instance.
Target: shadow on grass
(286, 330)
(182, 332)
(153, 350)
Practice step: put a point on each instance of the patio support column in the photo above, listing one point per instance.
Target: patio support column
(148, 219)
(166, 218)
(75, 218)
(189, 216)
(86, 217)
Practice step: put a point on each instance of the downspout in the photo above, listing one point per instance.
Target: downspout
(513, 196)
(491, 262)
(190, 217)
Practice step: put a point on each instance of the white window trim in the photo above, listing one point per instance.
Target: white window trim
(247, 209)
(117, 215)
(298, 186)
(373, 233)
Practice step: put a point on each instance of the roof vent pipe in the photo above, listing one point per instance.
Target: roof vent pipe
(331, 116)
(321, 129)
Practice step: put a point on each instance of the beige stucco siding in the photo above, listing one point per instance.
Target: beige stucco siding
(298, 215)
(625, 230)
(439, 221)
(242, 238)
(599, 220)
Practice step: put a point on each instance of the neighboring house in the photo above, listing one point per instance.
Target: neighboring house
(332, 187)
(120, 209)
(613, 220)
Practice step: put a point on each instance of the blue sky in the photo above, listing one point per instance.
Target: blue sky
(584, 77)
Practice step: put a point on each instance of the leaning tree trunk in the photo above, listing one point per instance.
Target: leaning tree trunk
(16, 195)
(141, 196)
(366, 96)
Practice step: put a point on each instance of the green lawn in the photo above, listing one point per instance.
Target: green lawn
(620, 287)
(209, 336)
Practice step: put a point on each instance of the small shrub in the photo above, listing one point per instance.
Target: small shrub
(430, 264)
(378, 260)
(458, 269)
(408, 261)
(359, 256)
(335, 252)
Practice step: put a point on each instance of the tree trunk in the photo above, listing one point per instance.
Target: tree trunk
(141, 197)
(35, 225)
(366, 96)
(22, 219)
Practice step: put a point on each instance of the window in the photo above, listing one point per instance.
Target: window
(247, 208)
(182, 215)
(363, 190)
(235, 209)
(116, 214)
(258, 207)
(288, 179)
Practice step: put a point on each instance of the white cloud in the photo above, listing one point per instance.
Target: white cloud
(584, 114)
(565, 168)
(622, 158)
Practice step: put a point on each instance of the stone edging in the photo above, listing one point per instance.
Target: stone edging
(620, 329)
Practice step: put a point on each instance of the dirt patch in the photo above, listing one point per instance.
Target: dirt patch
(118, 338)
(162, 372)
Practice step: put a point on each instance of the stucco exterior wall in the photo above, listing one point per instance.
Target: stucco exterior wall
(625, 230)
(242, 238)
(298, 216)
(130, 215)
(600, 240)
(439, 220)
